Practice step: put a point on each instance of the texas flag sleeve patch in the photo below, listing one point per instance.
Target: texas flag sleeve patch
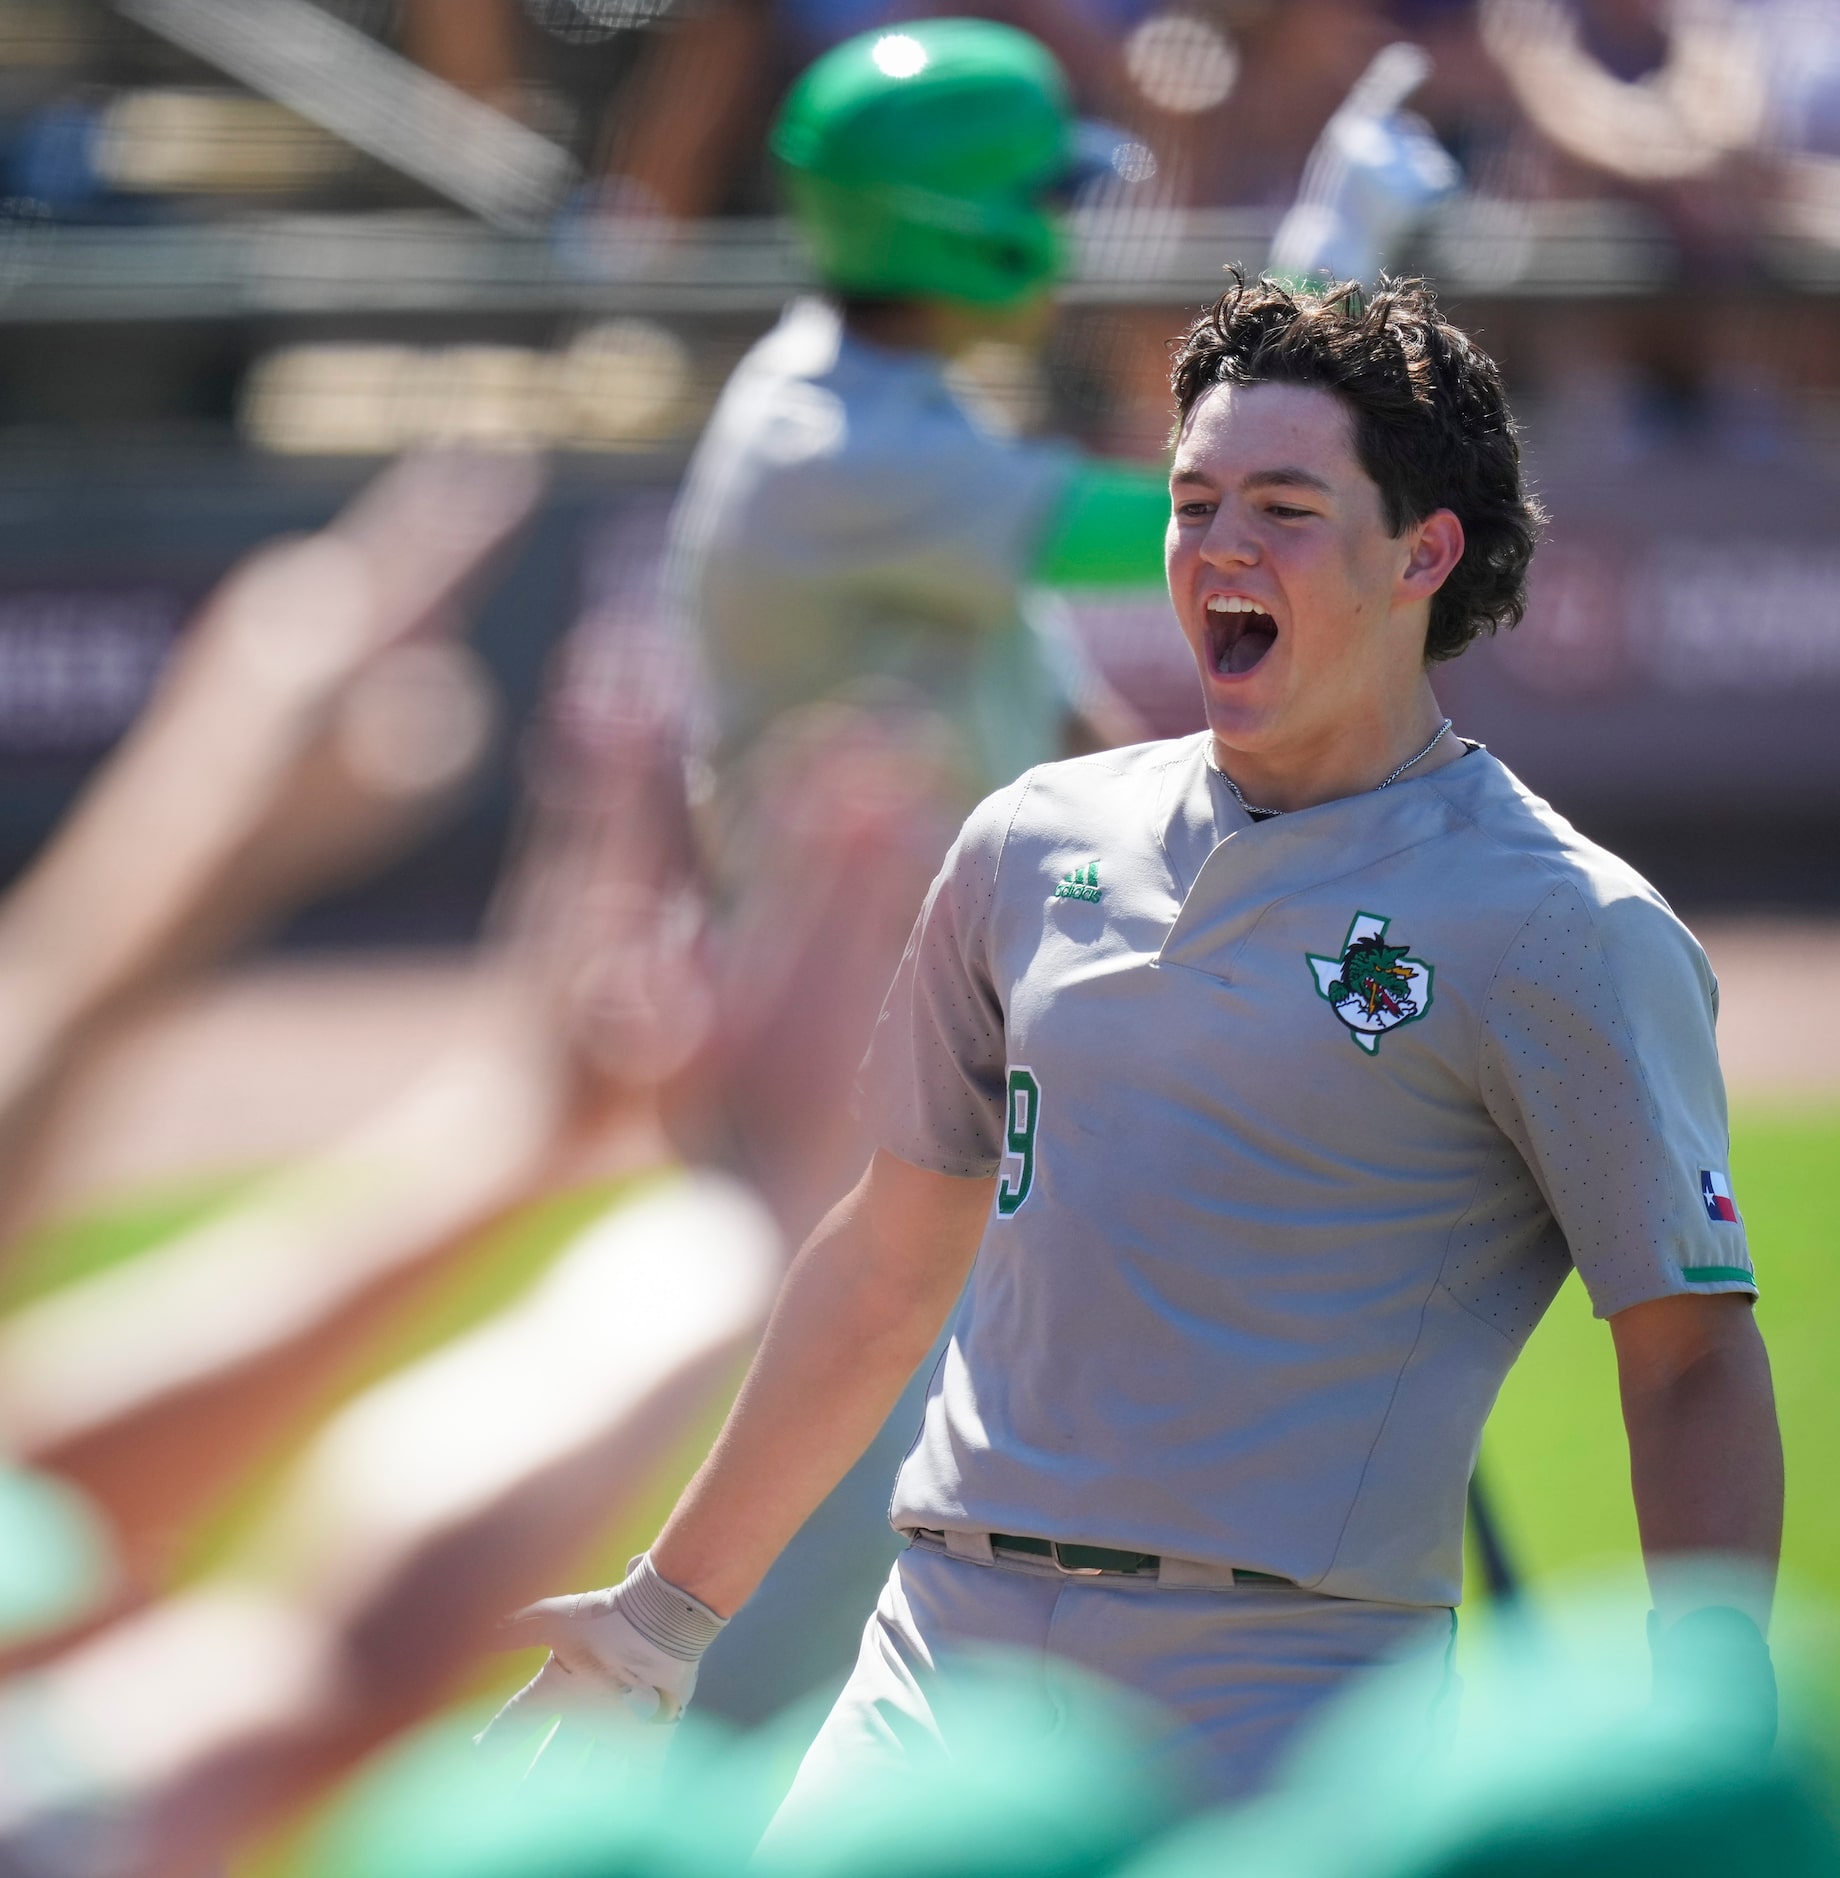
(1715, 1190)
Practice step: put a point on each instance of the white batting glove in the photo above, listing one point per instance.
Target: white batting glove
(627, 1654)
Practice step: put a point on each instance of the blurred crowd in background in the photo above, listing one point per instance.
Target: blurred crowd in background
(1606, 146)
(247, 250)
(351, 352)
(1716, 116)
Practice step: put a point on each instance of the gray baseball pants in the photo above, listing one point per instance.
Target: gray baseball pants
(1235, 1672)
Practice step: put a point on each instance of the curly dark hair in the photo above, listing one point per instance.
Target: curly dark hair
(1431, 422)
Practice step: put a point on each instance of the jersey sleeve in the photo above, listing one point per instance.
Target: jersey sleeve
(1108, 528)
(932, 1084)
(1599, 1061)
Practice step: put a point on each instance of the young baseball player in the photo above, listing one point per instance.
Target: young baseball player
(1257, 1090)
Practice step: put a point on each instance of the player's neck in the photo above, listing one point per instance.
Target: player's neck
(898, 326)
(1349, 760)
(944, 328)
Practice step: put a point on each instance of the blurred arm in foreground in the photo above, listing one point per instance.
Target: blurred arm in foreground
(435, 1500)
(456, 1490)
(159, 1386)
(318, 711)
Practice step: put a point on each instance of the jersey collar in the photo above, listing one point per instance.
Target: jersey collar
(1257, 864)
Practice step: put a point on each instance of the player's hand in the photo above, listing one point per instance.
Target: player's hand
(1716, 1660)
(627, 1654)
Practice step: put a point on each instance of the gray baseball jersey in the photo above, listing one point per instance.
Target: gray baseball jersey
(845, 519)
(1300, 1125)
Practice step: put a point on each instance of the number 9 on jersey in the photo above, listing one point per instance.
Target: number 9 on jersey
(1022, 1116)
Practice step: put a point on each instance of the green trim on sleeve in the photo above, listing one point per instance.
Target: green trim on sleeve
(1108, 530)
(1717, 1275)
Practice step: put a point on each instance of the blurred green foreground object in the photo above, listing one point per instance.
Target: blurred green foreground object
(1556, 1758)
(1036, 1768)
(1564, 1761)
(54, 1556)
(919, 163)
(1031, 1773)
(437, 1807)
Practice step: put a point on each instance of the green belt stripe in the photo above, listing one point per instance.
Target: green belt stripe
(1717, 1275)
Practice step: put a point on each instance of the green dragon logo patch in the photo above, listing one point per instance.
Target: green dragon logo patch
(1372, 987)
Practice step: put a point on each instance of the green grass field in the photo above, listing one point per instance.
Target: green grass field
(1554, 1457)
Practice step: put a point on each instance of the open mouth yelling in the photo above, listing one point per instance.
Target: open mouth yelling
(1239, 634)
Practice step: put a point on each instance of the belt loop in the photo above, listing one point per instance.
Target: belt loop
(974, 1546)
(1187, 1574)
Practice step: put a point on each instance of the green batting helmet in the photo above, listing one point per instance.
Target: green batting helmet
(919, 162)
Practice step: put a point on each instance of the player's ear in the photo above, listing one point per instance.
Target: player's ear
(1434, 546)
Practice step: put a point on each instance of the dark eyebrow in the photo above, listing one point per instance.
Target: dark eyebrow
(1290, 477)
(1287, 476)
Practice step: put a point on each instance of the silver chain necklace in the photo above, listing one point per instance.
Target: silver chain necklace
(1261, 815)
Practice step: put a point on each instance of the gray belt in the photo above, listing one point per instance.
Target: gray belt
(1094, 1561)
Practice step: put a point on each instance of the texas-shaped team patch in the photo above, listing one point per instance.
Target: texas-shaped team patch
(1371, 986)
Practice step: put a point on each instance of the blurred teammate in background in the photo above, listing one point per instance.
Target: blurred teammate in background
(846, 522)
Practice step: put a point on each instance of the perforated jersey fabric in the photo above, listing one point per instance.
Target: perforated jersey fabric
(846, 523)
(1300, 1126)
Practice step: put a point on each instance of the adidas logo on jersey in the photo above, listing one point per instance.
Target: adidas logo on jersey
(1082, 883)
